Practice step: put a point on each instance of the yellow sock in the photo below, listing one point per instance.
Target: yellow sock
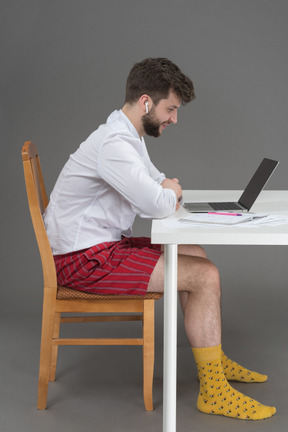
(234, 372)
(216, 396)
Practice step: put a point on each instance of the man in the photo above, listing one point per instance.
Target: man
(103, 186)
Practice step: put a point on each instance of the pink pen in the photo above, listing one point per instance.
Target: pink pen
(226, 214)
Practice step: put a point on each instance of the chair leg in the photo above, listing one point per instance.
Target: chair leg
(46, 347)
(54, 353)
(148, 353)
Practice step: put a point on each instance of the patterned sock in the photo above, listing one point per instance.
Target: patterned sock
(234, 372)
(216, 396)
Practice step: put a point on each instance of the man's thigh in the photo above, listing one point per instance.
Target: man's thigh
(192, 265)
(192, 250)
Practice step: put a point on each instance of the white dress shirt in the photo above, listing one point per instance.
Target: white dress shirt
(103, 185)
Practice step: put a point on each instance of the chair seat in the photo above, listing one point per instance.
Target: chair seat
(65, 293)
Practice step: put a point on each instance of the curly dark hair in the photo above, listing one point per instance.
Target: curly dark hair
(156, 77)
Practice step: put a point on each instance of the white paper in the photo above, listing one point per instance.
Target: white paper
(257, 221)
(208, 218)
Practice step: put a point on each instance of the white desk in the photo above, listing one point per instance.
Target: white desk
(268, 202)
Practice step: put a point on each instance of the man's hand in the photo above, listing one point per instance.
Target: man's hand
(174, 185)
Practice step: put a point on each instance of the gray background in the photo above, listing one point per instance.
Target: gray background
(63, 69)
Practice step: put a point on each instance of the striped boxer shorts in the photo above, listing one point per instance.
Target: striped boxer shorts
(122, 267)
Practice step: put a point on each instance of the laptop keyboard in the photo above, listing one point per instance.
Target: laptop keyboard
(225, 206)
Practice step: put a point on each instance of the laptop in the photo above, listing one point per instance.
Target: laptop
(248, 197)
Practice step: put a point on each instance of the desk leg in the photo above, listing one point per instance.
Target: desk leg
(170, 338)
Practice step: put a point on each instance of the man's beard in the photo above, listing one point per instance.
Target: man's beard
(150, 125)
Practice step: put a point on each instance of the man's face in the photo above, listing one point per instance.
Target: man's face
(161, 115)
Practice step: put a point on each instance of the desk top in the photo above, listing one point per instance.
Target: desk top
(270, 202)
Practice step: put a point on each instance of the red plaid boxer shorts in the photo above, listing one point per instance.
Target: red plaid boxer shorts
(122, 267)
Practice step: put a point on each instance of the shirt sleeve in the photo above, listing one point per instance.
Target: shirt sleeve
(121, 166)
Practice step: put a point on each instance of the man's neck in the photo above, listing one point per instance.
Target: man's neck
(133, 114)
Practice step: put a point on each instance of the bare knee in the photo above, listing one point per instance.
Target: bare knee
(197, 274)
(209, 278)
(213, 278)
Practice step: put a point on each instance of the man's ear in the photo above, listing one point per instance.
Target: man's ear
(145, 103)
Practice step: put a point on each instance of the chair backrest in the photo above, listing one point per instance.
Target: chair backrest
(38, 201)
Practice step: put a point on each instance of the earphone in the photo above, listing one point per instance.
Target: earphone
(146, 105)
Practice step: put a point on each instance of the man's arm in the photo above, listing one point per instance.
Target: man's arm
(175, 186)
(121, 166)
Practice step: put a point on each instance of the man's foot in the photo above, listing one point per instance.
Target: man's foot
(217, 397)
(234, 372)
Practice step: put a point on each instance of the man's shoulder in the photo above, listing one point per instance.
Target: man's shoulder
(112, 127)
(115, 125)
(111, 134)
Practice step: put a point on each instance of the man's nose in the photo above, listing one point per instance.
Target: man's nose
(173, 117)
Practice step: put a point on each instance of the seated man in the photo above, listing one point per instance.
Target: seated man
(107, 182)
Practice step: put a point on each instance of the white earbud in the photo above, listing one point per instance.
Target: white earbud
(147, 109)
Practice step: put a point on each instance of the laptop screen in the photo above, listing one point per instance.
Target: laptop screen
(257, 182)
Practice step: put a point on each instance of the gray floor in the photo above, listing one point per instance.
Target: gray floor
(100, 388)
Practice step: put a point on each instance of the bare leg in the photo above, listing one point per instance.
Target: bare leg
(191, 250)
(198, 280)
(199, 291)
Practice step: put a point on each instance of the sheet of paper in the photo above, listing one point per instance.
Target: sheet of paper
(208, 218)
(257, 221)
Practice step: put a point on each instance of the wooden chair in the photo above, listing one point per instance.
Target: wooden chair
(58, 300)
